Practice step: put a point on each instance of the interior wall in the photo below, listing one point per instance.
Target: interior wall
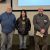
(17, 14)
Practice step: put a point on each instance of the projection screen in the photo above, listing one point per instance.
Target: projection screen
(30, 4)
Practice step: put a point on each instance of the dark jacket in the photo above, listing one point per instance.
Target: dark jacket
(8, 22)
(19, 25)
(41, 22)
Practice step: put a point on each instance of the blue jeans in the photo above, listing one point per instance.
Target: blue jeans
(23, 40)
(6, 40)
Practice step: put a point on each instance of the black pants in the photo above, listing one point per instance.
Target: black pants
(40, 40)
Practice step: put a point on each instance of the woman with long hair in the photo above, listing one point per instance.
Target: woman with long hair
(23, 26)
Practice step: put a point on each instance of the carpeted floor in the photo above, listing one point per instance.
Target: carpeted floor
(16, 47)
(30, 46)
(30, 43)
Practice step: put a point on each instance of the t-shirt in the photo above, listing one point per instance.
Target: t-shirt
(23, 25)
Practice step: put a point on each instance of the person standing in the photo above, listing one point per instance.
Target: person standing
(7, 21)
(23, 26)
(41, 25)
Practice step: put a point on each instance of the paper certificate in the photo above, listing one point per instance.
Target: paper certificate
(39, 34)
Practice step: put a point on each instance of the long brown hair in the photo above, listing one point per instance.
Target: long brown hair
(24, 12)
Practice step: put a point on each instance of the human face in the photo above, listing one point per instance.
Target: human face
(8, 9)
(40, 11)
(23, 14)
